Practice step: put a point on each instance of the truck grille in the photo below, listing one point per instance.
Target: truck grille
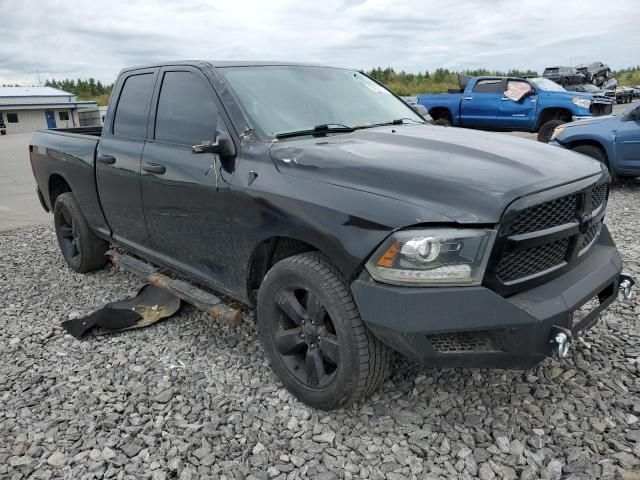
(545, 237)
(546, 215)
(598, 195)
(529, 261)
(601, 108)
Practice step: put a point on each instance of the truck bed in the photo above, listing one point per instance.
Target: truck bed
(76, 131)
(67, 156)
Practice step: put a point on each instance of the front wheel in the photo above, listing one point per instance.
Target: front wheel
(546, 130)
(313, 335)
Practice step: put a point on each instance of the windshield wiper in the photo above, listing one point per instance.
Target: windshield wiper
(318, 130)
(400, 121)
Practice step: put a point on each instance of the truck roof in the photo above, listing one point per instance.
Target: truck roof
(222, 64)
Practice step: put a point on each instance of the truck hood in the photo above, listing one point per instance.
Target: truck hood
(570, 95)
(464, 175)
(592, 121)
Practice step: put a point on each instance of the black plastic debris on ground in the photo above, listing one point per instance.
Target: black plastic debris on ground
(147, 307)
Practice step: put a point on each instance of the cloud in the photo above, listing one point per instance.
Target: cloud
(97, 39)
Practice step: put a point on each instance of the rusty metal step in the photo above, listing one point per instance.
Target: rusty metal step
(197, 297)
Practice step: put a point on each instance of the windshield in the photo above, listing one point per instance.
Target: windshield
(281, 99)
(546, 84)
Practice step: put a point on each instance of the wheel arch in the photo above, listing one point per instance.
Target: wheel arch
(57, 185)
(267, 253)
(441, 112)
(594, 143)
(554, 113)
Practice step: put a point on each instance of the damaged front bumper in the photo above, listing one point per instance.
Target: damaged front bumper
(476, 327)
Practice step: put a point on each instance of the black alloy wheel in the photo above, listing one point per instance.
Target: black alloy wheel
(313, 335)
(305, 336)
(70, 240)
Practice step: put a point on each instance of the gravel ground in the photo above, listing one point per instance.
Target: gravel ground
(188, 398)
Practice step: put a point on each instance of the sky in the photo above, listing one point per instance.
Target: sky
(73, 39)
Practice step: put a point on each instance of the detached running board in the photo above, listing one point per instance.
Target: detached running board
(201, 299)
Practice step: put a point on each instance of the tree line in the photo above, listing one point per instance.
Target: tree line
(443, 79)
(90, 88)
(401, 83)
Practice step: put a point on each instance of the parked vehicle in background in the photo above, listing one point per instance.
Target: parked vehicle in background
(592, 89)
(563, 75)
(507, 104)
(596, 73)
(354, 226)
(613, 140)
(624, 94)
(3, 127)
(636, 91)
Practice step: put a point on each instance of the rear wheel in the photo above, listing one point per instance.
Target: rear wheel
(81, 248)
(546, 130)
(313, 335)
(443, 121)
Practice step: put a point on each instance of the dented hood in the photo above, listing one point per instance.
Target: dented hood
(465, 175)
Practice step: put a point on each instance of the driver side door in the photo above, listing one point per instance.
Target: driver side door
(185, 194)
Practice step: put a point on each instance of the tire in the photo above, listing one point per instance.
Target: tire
(546, 130)
(3, 132)
(443, 121)
(81, 248)
(313, 335)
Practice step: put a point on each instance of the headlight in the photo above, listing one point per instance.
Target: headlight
(581, 102)
(438, 257)
(556, 132)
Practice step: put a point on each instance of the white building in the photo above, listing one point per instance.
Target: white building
(24, 109)
(92, 116)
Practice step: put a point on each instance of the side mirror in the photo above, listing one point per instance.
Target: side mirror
(421, 110)
(223, 146)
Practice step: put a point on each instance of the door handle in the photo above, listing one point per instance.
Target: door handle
(154, 168)
(505, 98)
(467, 98)
(108, 159)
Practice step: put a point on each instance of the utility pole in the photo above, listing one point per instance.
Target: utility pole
(38, 74)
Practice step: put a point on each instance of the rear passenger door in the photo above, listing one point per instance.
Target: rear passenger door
(185, 193)
(479, 107)
(119, 154)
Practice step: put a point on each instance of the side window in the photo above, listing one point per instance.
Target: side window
(133, 107)
(517, 90)
(187, 113)
(488, 86)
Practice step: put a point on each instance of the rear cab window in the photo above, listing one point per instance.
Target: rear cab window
(491, 85)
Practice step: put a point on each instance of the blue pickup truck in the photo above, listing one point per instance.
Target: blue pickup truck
(614, 140)
(508, 104)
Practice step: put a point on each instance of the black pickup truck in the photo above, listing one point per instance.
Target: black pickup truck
(354, 226)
